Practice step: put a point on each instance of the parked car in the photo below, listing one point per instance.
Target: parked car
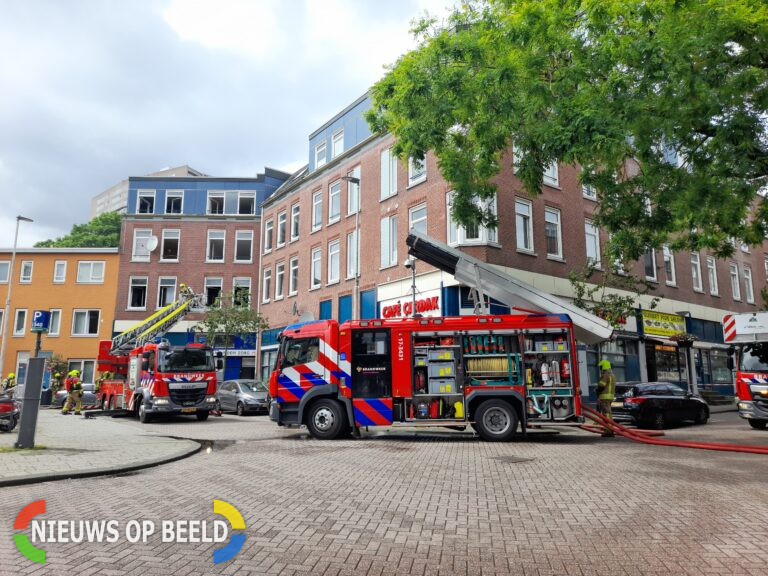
(89, 396)
(242, 396)
(657, 404)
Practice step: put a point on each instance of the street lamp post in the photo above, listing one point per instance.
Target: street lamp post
(410, 263)
(10, 287)
(356, 293)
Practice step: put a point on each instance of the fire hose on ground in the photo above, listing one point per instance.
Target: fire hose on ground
(648, 436)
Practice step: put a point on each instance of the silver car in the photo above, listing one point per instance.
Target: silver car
(243, 396)
(89, 396)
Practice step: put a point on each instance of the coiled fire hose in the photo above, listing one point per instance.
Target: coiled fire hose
(644, 436)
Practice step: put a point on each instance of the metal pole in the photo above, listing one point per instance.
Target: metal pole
(413, 286)
(356, 293)
(8, 297)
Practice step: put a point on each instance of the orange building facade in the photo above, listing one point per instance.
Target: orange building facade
(77, 285)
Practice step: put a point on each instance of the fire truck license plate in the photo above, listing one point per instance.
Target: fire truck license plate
(188, 410)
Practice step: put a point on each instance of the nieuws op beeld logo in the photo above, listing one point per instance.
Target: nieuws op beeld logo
(179, 531)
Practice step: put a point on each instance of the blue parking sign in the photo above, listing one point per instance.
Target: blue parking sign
(41, 319)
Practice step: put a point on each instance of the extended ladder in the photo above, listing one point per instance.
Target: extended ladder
(156, 325)
(489, 280)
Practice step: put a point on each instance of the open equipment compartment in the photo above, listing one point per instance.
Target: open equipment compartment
(438, 378)
(548, 361)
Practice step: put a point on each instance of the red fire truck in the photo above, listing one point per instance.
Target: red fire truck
(491, 372)
(748, 333)
(496, 373)
(149, 377)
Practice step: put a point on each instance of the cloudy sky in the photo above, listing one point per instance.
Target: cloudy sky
(95, 91)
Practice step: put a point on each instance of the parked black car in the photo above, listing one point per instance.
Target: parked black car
(657, 404)
(243, 396)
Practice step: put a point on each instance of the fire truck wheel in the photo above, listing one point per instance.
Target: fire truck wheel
(144, 416)
(495, 421)
(105, 403)
(758, 424)
(325, 419)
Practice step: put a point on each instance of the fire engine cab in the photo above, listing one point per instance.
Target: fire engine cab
(748, 334)
(496, 373)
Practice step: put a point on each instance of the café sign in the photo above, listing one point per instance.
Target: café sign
(427, 304)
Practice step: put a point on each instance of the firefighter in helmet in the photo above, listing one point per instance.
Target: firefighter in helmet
(606, 387)
(56, 381)
(9, 384)
(74, 388)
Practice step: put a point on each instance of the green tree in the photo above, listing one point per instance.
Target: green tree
(101, 232)
(57, 364)
(663, 103)
(231, 316)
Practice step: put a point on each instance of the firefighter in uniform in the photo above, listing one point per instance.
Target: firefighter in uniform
(606, 387)
(9, 384)
(56, 382)
(74, 392)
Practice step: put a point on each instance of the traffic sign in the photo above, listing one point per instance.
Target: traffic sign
(41, 319)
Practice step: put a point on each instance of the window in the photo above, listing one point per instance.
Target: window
(212, 290)
(523, 226)
(140, 251)
(174, 202)
(320, 154)
(334, 249)
(669, 266)
(86, 368)
(215, 203)
(268, 236)
(279, 280)
(281, 220)
(295, 222)
(473, 234)
(246, 202)
(353, 255)
(243, 245)
(388, 174)
(316, 279)
(317, 210)
(216, 245)
(417, 218)
(146, 202)
(90, 272)
(169, 252)
(748, 289)
(696, 272)
(388, 241)
(166, 291)
(137, 293)
(712, 274)
(5, 268)
(592, 237)
(26, 271)
(735, 288)
(334, 202)
(588, 191)
(553, 232)
(241, 291)
(301, 351)
(54, 326)
(551, 176)
(20, 323)
(85, 323)
(417, 170)
(266, 289)
(649, 262)
(353, 192)
(293, 276)
(59, 271)
(337, 143)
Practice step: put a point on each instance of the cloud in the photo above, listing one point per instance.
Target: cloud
(95, 92)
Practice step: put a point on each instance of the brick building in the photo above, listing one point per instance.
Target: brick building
(77, 285)
(309, 264)
(198, 231)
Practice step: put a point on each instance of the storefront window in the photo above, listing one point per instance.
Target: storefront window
(671, 365)
(624, 359)
(268, 358)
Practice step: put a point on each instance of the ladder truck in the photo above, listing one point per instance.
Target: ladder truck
(747, 334)
(496, 373)
(151, 378)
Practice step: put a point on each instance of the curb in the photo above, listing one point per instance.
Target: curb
(38, 478)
